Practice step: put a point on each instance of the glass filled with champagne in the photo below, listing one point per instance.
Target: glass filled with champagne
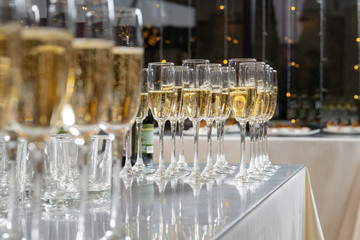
(124, 98)
(139, 167)
(227, 75)
(242, 94)
(162, 97)
(273, 85)
(46, 53)
(173, 169)
(214, 78)
(196, 105)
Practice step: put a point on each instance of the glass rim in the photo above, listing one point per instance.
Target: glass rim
(196, 60)
(161, 64)
(242, 59)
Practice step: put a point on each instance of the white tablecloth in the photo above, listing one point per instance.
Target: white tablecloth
(279, 204)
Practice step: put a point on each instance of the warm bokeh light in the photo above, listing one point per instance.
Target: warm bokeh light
(293, 8)
(293, 121)
(68, 115)
(356, 67)
(157, 5)
(229, 38)
(222, 7)
(356, 96)
(357, 39)
(297, 65)
(235, 41)
(225, 61)
(288, 94)
(292, 63)
(163, 61)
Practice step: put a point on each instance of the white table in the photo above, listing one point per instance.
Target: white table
(334, 167)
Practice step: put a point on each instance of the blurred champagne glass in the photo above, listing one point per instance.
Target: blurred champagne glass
(124, 99)
(46, 61)
(10, 62)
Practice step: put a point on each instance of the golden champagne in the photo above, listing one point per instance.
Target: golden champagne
(242, 101)
(214, 104)
(9, 70)
(126, 85)
(225, 109)
(266, 105)
(177, 103)
(272, 103)
(161, 102)
(143, 107)
(259, 107)
(46, 58)
(195, 103)
(92, 68)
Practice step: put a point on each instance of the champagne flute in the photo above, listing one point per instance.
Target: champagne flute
(161, 98)
(269, 115)
(125, 98)
(242, 92)
(182, 165)
(268, 84)
(90, 85)
(195, 103)
(175, 112)
(228, 75)
(261, 104)
(214, 77)
(139, 167)
(235, 63)
(46, 60)
(10, 62)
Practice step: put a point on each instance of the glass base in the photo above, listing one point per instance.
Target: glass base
(141, 169)
(219, 168)
(172, 170)
(126, 172)
(160, 173)
(109, 235)
(196, 177)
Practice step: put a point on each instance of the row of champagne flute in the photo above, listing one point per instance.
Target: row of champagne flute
(200, 90)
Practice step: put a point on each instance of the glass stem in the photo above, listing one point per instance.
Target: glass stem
(222, 134)
(37, 159)
(242, 167)
(266, 154)
(127, 148)
(209, 144)
(181, 133)
(173, 141)
(252, 146)
(218, 139)
(116, 224)
(196, 145)
(84, 178)
(257, 145)
(139, 159)
(12, 225)
(161, 145)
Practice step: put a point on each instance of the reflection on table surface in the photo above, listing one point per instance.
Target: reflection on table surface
(166, 209)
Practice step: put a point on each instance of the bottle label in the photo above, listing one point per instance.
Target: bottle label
(147, 134)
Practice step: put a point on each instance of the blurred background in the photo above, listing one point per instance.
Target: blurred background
(314, 45)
